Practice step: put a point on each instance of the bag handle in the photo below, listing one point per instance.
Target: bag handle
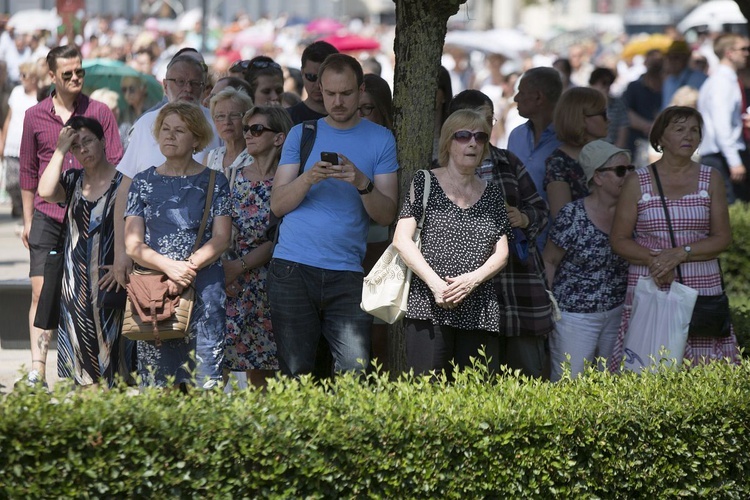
(669, 224)
(206, 210)
(59, 247)
(425, 196)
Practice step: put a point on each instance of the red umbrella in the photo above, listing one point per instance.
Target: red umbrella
(352, 43)
(323, 26)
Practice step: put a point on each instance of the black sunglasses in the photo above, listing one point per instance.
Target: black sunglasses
(603, 114)
(619, 170)
(68, 75)
(311, 77)
(247, 63)
(257, 129)
(464, 136)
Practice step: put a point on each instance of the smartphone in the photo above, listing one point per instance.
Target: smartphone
(332, 158)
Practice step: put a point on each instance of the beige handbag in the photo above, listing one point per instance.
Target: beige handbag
(385, 290)
(150, 313)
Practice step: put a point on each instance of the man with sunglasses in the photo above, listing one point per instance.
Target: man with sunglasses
(722, 102)
(42, 221)
(315, 276)
(184, 81)
(312, 108)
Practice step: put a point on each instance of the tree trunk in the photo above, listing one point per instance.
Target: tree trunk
(420, 34)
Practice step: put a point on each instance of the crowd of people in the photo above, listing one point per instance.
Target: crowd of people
(537, 215)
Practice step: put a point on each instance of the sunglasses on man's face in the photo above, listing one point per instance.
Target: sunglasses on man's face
(464, 136)
(311, 77)
(619, 170)
(68, 75)
(257, 129)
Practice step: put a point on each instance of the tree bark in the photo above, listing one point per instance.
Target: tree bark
(420, 34)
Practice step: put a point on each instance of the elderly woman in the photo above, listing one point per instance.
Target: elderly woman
(587, 278)
(88, 334)
(452, 308)
(580, 117)
(164, 211)
(697, 203)
(227, 109)
(250, 345)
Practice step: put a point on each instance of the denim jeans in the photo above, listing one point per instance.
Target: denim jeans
(585, 337)
(307, 302)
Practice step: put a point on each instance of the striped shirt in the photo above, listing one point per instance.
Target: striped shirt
(41, 128)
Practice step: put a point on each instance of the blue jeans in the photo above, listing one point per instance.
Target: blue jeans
(308, 301)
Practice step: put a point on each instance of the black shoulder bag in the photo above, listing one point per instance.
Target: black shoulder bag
(711, 312)
(48, 308)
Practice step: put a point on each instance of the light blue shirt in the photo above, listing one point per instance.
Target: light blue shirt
(533, 156)
(328, 229)
(687, 77)
(720, 103)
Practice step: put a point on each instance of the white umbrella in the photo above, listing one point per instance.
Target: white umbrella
(507, 42)
(714, 15)
(28, 21)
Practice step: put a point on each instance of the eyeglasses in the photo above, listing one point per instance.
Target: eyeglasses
(603, 114)
(131, 89)
(311, 77)
(85, 144)
(366, 109)
(230, 117)
(68, 75)
(619, 170)
(243, 65)
(743, 49)
(194, 84)
(464, 136)
(257, 129)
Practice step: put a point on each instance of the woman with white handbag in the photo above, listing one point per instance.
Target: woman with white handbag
(452, 308)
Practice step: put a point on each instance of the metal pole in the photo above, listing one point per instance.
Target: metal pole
(204, 24)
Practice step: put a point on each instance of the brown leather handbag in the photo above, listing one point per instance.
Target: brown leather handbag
(152, 314)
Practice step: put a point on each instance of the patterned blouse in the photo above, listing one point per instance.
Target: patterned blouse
(590, 277)
(563, 168)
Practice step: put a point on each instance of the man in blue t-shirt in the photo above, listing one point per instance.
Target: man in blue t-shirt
(315, 277)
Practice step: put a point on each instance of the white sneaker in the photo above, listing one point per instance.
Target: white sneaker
(33, 379)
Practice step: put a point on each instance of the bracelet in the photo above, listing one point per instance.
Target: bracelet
(244, 266)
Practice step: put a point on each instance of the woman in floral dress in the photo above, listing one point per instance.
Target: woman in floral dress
(249, 341)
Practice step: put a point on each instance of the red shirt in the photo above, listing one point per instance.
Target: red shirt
(41, 128)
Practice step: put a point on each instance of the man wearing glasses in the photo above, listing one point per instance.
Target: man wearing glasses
(315, 276)
(722, 102)
(42, 221)
(312, 108)
(184, 81)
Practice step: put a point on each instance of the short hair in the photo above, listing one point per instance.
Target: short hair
(62, 52)
(289, 99)
(545, 80)
(373, 65)
(670, 115)
(28, 68)
(106, 96)
(317, 52)
(236, 83)
(261, 66)
(240, 100)
(193, 117)
(183, 58)
(470, 99)
(278, 119)
(600, 74)
(381, 95)
(564, 65)
(725, 42)
(571, 110)
(463, 119)
(78, 122)
(338, 63)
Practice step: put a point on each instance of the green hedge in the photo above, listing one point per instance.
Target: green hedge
(660, 435)
(735, 262)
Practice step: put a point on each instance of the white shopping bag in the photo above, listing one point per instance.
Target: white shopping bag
(659, 323)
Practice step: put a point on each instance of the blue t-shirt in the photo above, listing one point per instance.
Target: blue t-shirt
(328, 229)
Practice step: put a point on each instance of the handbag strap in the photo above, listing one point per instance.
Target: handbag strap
(68, 197)
(206, 210)
(669, 224)
(425, 196)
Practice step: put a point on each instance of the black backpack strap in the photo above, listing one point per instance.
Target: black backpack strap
(309, 131)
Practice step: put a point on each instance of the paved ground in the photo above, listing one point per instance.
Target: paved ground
(14, 268)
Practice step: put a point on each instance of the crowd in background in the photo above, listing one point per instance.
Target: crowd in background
(532, 177)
